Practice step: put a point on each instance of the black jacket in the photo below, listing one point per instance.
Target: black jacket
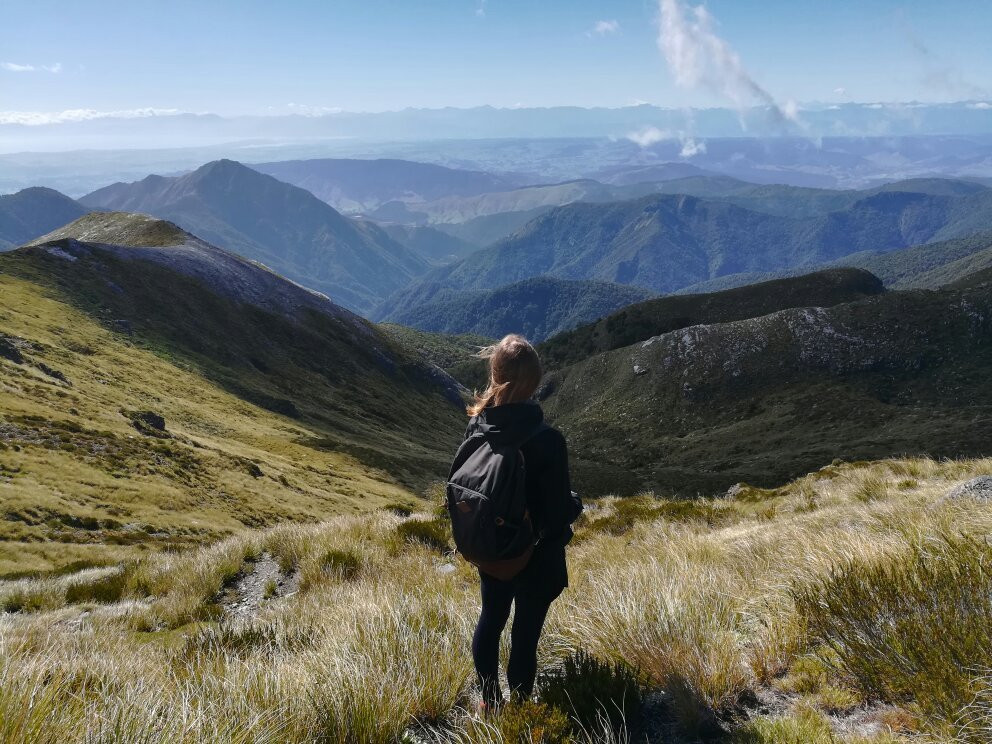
(552, 506)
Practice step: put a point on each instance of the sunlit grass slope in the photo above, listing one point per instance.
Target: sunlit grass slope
(84, 478)
(753, 618)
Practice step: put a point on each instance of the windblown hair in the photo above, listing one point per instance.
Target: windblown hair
(514, 373)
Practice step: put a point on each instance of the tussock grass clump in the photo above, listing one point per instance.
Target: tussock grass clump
(590, 690)
(621, 515)
(912, 628)
(433, 532)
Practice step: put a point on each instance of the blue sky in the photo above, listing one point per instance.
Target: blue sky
(276, 57)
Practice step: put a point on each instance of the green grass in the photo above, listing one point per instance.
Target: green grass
(86, 474)
(911, 628)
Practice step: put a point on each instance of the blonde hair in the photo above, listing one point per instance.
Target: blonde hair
(514, 373)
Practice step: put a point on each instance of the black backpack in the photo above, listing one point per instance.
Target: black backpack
(487, 501)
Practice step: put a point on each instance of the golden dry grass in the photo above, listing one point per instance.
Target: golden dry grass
(700, 603)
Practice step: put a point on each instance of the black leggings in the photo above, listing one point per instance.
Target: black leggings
(528, 620)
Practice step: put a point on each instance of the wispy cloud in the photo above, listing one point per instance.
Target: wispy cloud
(647, 136)
(699, 58)
(38, 118)
(936, 73)
(15, 67)
(604, 28)
(480, 9)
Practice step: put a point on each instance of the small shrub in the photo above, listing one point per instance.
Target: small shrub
(589, 689)
(805, 726)
(806, 676)
(271, 589)
(433, 533)
(401, 510)
(527, 722)
(911, 628)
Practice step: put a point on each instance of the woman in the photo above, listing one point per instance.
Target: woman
(505, 412)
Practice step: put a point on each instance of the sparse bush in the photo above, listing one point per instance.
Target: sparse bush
(627, 512)
(400, 510)
(589, 689)
(528, 722)
(433, 533)
(805, 726)
(911, 628)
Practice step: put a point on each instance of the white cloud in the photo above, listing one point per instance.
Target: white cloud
(699, 58)
(480, 9)
(604, 28)
(15, 67)
(840, 91)
(648, 136)
(38, 118)
(692, 147)
(980, 105)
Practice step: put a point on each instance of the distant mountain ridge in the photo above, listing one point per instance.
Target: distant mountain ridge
(537, 307)
(654, 317)
(362, 185)
(285, 227)
(755, 400)
(32, 212)
(667, 242)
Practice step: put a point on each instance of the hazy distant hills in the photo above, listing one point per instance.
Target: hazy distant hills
(352, 185)
(767, 398)
(33, 211)
(653, 317)
(431, 244)
(668, 242)
(294, 232)
(285, 227)
(538, 307)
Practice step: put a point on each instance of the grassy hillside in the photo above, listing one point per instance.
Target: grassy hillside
(642, 320)
(537, 308)
(764, 399)
(148, 403)
(760, 618)
(288, 229)
(452, 352)
(33, 212)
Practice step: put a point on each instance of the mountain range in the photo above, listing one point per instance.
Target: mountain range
(665, 243)
(33, 211)
(762, 399)
(642, 320)
(361, 186)
(285, 227)
(537, 307)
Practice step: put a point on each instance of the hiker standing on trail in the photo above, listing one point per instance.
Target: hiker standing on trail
(511, 507)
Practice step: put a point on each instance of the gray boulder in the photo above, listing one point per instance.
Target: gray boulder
(979, 488)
